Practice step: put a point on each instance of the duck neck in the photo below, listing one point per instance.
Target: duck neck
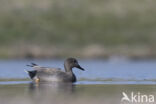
(68, 69)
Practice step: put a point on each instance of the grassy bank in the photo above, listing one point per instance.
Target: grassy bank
(84, 28)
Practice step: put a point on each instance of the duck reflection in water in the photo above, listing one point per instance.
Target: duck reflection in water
(52, 88)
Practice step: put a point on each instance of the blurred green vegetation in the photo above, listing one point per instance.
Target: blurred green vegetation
(77, 24)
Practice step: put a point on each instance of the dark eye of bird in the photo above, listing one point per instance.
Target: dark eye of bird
(74, 61)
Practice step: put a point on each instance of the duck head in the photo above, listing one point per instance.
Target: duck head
(71, 63)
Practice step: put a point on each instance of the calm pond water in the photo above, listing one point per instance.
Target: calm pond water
(117, 71)
(103, 82)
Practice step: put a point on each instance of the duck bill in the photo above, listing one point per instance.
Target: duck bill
(78, 66)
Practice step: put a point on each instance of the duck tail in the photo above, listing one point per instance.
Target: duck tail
(31, 74)
(32, 65)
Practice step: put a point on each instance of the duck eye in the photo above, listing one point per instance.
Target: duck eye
(75, 61)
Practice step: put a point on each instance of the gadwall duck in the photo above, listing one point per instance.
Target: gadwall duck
(45, 74)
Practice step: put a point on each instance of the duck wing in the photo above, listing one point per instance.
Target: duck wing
(47, 74)
(53, 74)
(41, 70)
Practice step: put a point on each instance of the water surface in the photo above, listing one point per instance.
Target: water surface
(114, 71)
(103, 82)
(70, 94)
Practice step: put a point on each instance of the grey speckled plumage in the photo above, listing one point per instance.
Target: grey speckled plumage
(45, 74)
